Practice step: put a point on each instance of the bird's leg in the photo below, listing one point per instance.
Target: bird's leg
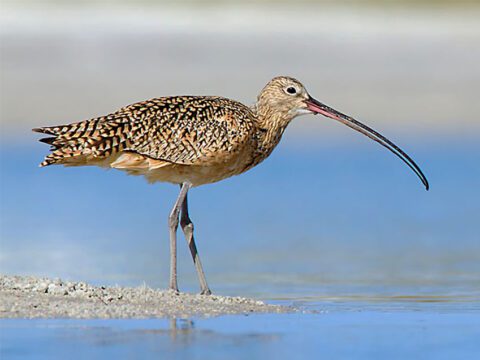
(187, 227)
(173, 224)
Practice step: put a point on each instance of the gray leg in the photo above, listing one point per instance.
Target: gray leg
(187, 227)
(173, 224)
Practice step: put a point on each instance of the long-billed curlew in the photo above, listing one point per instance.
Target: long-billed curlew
(191, 141)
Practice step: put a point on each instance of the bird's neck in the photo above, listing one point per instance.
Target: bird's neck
(271, 123)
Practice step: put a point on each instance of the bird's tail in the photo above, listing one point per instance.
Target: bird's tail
(81, 142)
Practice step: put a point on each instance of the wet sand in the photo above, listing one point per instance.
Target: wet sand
(33, 297)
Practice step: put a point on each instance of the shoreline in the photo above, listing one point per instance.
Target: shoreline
(34, 297)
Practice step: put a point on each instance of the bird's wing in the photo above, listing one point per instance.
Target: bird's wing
(188, 130)
(179, 129)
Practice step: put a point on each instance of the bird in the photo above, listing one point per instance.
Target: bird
(194, 140)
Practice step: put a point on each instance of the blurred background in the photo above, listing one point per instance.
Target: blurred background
(329, 215)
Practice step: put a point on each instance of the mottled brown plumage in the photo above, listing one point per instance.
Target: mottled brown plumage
(178, 130)
(193, 140)
(174, 134)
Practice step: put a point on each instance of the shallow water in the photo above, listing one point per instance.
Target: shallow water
(314, 221)
(379, 267)
(361, 334)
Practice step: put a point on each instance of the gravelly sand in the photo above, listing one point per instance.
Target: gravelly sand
(32, 297)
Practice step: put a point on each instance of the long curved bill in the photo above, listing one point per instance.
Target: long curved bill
(317, 107)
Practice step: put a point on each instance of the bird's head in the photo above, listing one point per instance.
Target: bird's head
(285, 95)
(288, 98)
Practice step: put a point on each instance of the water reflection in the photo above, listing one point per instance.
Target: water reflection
(362, 334)
(180, 330)
(159, 337)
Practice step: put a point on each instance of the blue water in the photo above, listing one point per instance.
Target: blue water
(342, 229)
(337, 335)
(310, 219)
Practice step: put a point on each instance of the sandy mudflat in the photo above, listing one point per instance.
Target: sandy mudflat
(32, 297)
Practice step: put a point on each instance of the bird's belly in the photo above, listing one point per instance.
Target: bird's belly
(195, 174)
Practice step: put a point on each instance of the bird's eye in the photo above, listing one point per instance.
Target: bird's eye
(291, 90)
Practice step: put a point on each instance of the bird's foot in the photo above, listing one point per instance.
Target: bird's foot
(206, 291)
(174, 291)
